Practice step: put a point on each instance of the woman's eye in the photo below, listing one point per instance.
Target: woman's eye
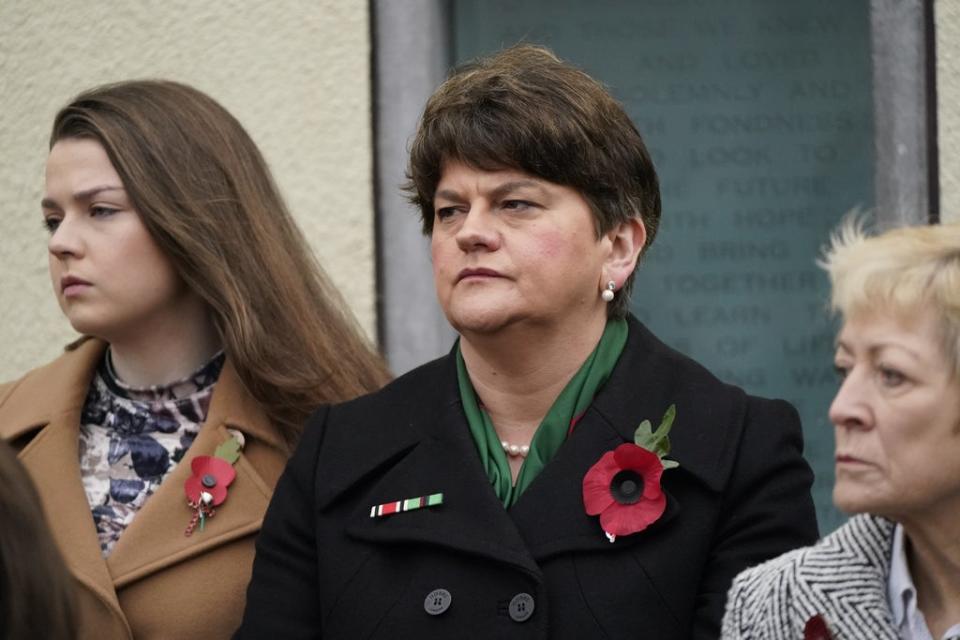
(516, 205)
(841, 371)
(51, 223)
(891, 377)
(100, 211)
(445, 212)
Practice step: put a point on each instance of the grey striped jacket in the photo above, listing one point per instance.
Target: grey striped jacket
(843, 578)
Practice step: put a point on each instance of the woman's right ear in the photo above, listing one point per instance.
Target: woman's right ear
(627, 240)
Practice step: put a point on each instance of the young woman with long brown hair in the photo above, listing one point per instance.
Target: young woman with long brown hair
(210, 332)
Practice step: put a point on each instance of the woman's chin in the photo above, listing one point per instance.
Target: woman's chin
(485, 325)
(480, 319)
(853, 500)
(86, 325)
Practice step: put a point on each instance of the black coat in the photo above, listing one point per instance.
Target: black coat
(325, 568)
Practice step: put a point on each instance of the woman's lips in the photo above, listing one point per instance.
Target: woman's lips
(478, 273)
(843, 458)
(71, 285)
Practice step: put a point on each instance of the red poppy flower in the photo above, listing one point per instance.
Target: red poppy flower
(212, 475)
(623, 488)
(816, 629)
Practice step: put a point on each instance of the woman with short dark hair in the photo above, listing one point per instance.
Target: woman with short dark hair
(525, 110)
(561, 473)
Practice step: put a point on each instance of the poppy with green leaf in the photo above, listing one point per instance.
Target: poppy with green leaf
(206, 489)
(623, 487)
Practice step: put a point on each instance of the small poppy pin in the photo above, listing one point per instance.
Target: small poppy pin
(816, 629)
(623, 487)
(206, 488)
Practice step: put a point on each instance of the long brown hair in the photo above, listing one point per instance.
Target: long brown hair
(36, 590)
(206, 196)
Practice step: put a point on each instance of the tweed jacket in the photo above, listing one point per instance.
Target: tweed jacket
(156, 583)
(469, 568)
(843, 578)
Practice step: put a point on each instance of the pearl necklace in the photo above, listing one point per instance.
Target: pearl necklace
(515, 450)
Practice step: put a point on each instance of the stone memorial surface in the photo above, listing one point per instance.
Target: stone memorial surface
(759, 118)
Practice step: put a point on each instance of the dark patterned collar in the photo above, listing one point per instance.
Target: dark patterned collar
(202, 378)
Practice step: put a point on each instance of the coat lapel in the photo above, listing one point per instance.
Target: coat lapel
(858, 552)
(437, 454)
(52, 400)
(441, 458)
(551, 514)
(155, 539)
(644, 383)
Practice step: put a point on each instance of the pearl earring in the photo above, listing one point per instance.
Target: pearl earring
(607, 295)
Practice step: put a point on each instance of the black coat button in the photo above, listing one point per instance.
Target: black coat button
(437, 601)
(521, 607)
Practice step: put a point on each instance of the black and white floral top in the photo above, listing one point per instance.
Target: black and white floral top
(131, 438)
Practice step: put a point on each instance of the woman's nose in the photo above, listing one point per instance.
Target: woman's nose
(66, 240)
(850, 407)
(478, 230)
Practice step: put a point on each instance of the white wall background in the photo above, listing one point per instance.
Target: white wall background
(947, 16)
(296, 73)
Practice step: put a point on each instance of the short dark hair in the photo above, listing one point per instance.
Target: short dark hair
(523, 108)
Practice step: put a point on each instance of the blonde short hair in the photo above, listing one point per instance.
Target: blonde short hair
(900, 272)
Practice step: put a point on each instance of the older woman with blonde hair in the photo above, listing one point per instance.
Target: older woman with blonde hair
(893, 571)
(209, 334)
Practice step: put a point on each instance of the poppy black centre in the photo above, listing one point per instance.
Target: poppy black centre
(627, 487)
(208, 480)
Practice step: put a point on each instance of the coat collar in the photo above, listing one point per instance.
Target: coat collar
(50, 399)
(48, 392)
(647, 379)
(430, 450)
(862, 548)
(63, 385)
(471, 519)
(651, 376)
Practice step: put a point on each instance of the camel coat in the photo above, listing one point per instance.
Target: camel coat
(157, 583)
